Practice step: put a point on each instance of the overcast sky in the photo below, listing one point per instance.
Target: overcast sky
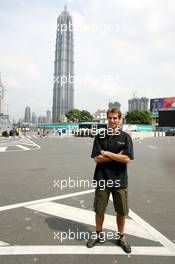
(122, 47)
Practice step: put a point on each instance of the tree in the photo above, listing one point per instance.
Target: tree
(73, 115)
(85, 116)
(76, 115)
(139, 117)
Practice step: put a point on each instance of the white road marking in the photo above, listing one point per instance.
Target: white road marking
(87, 217)
(12, 142)
(33, 143)
(152, 147)
(167, 250)
(19, 205)
(4, 141)
(22, 147)
(28, 144)
(82, 250)
(3, 243)
(2, 149)
(156, 234)
(150, 229)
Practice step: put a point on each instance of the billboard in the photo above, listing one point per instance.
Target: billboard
(167, 118)
(166, 103)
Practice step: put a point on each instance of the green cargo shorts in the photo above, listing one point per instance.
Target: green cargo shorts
(120, 200)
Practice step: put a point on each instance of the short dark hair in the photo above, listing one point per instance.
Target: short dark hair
(114, 110)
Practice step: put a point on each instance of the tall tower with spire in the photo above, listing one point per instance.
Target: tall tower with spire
(63, 89)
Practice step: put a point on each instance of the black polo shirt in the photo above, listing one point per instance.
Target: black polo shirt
(113, 170)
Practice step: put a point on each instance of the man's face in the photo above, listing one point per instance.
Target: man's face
(113, 120)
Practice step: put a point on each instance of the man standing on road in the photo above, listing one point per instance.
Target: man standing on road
(111, 153)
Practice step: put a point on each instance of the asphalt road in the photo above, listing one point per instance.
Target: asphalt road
(34, 172)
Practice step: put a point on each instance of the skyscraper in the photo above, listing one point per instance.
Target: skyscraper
(48, 116)
(34, 118)
(63, 90)
(1, 95)
(138, 103)
(114, 104)
(27, 115)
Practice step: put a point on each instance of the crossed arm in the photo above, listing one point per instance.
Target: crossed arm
(107, 156)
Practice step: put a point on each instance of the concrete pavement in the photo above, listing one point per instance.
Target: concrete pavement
(34, 209)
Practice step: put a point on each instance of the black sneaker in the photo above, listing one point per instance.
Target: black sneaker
(96, 238)
(124, 245)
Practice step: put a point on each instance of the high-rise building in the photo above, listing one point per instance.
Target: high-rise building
(114, 104)
(34, 118)
(42, 120)
(138, 103)
(27, 115)
(48, 116)
(1, 96)
(63, 90)
(4, 117)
